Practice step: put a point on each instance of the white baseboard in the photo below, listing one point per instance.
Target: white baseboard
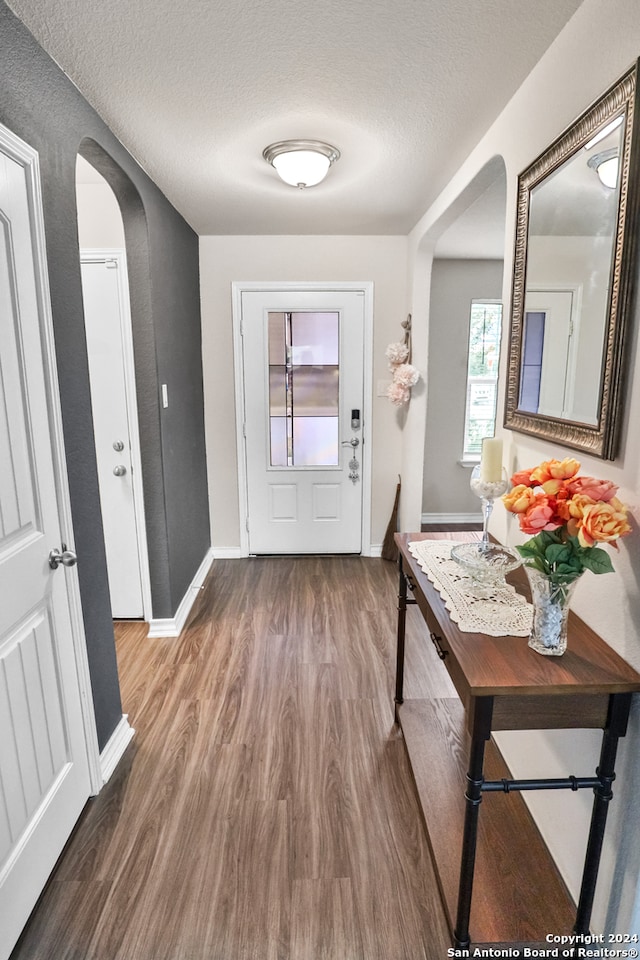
(451, 518)
(172, 626)
(235, 553)
(116, 746)
(228, 553)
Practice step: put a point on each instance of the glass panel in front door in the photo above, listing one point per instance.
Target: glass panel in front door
(303, 388)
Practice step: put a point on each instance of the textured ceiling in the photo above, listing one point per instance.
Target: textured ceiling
(196, 89)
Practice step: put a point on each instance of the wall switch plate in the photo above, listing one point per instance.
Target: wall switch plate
(165, 396)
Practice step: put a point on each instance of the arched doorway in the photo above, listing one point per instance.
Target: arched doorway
(466, 280)
(108, 327)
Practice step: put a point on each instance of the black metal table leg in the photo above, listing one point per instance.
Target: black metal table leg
(480, 733)
(619, 706)
(402, 617)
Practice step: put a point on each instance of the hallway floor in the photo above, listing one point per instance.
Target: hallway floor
(265, 809)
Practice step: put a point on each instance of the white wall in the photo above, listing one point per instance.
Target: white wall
(597, 46)
(454, 284)
(100, 223)
(223, 260)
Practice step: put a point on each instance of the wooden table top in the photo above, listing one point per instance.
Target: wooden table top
(506, 666)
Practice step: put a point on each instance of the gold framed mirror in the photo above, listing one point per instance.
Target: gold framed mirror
(574, 277)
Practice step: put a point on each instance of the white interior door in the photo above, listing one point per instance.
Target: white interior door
(303, 362)
(557, 371)
(104, 311)
(44, 769)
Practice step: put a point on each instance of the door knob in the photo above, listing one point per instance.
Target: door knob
(120, 470)
(67, 557)
(118, 446)
(354, 442)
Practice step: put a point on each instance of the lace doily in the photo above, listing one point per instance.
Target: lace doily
(496, 611)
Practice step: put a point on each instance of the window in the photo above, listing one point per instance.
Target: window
(303, 389)
(482, 375)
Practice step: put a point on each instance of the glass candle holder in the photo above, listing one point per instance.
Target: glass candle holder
(487, 491)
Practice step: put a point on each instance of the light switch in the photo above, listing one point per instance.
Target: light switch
(165, 395)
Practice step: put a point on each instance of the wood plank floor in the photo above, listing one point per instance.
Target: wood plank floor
(265, 809)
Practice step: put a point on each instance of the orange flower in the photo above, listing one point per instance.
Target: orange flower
(555, 470)
(602, 522)
(522, 477)
(519, 499)
(574, 507)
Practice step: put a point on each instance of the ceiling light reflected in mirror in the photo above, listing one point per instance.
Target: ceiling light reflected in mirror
(606, 166)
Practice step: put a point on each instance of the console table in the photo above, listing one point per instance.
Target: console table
(493, 868)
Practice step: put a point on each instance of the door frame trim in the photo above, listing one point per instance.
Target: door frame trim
(98, 255)
(340, 286)
(28, 159)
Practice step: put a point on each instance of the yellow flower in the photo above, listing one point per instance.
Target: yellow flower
(574, 507)
(602, 522)
(518, 499)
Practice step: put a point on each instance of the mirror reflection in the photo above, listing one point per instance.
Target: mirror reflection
(571, 242)
(574, 274)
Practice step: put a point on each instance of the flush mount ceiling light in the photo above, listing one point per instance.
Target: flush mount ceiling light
(301, 163)
(606, 166)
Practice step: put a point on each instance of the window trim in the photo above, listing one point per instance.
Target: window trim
(470, 458)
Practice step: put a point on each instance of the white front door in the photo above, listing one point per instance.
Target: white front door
(103, 292)
(303, 362)
(44, 769)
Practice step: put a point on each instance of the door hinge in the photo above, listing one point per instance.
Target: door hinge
(244, 430)
(246, 523)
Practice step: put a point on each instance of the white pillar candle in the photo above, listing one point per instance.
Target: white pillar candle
(491, 460)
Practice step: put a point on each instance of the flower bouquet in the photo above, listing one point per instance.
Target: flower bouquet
(568, 516)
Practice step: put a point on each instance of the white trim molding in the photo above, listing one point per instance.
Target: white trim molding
(115, 748)
(228, 553)
(172, 626)
(457, 518)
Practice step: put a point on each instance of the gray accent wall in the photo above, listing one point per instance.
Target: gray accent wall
(40, 105)
(454, 284)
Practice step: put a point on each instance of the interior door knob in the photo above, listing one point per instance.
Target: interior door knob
(118, 446)
(120, 470)
(67, 557)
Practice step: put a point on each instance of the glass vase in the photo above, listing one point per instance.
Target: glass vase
(551, 600)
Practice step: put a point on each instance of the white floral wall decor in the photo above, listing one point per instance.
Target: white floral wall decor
(404, 374)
